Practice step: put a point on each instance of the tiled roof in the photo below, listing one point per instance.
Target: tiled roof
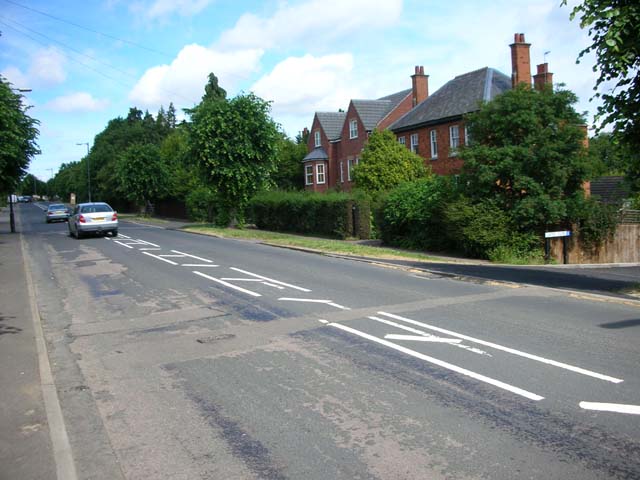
(372, 111)
(461, 95)
(317, 153)
(611, 189)
(332, 123)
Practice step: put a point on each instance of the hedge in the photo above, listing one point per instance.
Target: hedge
(336, 215)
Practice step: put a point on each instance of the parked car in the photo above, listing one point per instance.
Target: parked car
(56, 211)
(95, 217)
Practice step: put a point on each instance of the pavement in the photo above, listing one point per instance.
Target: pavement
(26, 445)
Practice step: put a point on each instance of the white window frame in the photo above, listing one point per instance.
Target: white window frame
(467, 137)
(353, 128)
(316, 138)
(402, 140)
(454, 139)
(341, 172)
(321, 177)
(308, 174)
(433, 139)
(349, 168)
(415, 141)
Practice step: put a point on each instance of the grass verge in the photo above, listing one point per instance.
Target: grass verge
(342, 247)
(134, 217)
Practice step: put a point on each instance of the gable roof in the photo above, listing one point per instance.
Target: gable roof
(372, 111)
(461, 95)
(331, 123)
(317, 153)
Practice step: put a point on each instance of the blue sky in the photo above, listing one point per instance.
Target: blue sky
(88, 62)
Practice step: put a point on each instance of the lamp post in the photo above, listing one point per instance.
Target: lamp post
(12, 220)
(88, 169)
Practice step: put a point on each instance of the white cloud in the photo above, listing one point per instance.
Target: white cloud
(311, 21)
(305, 84)
(77, 102)
(183, 81)
(46, 69)
(164, 8)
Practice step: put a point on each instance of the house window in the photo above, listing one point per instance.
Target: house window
(402, 140)
(316, 136)
(454, 139)
(308, 175)
(433, 137)
(467, 136)
(349, 168)
(320, 173)
(414, 142)
(353, 129)
(341, 172)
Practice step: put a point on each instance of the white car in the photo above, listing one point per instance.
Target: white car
(96, 217)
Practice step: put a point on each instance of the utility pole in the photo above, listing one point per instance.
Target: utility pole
(88, 169)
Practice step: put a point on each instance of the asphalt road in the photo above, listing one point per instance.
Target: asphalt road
(180, 356)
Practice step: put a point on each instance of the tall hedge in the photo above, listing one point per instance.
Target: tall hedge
(329, 214)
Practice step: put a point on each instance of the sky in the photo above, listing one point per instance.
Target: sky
(87, 62)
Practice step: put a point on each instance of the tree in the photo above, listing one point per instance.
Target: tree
(613, 156)
(171, 116)
(528, 156)
(32, 185)
(235, 143)
(18, 133)
(142, 175)
(385, 164)
(212, 91)
(614, 26)
(289, 171)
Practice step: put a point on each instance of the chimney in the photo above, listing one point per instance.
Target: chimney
(520, 61)
(420, 86)
(543, 77)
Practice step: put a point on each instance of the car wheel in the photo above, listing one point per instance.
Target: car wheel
(114, 233)
(79, 234)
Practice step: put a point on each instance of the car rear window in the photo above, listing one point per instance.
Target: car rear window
(96, 208)
(57, 207)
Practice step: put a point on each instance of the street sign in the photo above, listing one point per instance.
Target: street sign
(562, 233)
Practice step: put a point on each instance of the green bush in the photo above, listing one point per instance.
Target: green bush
(595, 221)
(329, 214)
(201, 204)
(411, 214)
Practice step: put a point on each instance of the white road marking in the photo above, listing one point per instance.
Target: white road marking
(313, 300)
(149, 248)
(160, 258)
(611, 407)
(193, 256)
(440, 363)
(123, 244)
(124, 236)
(270, 280)
(421, 338)
(420, 332)
(139, 240)
(323, 321)
(249, 292)
(208, 265)
(508, 350)
(106, 238)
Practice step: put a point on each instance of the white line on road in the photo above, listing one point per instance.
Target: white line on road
(313, 300)
(160, 258)
(611, 407)
(271, 280)
(123, 244)
(193, 256)
(421, 338)
(440, 363)
(208, 265)
(508, 350)
(138, 240)
(149, 248)
(249, 292)
(124, 236)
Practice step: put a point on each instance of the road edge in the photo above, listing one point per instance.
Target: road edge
(62, 453)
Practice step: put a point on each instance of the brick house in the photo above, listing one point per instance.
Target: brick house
(430, 125)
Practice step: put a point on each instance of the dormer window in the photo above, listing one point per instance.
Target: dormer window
(353, 129)
(316, 138)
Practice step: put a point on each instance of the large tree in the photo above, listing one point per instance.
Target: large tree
(142, 174)
(18, 133)
(527, 154)
(235, 142)
(289, 174)
(385, 164)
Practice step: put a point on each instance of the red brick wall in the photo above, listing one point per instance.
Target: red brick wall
(403, 107)
(444, 164)
(323, 187)
(328, 147)
(349, 148)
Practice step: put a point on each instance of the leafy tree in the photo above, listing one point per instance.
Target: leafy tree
(141, 173)
(612, 157)
(527, 155)
(235, 143)
(171, 116)
(32, 185)
(212, 91)
(385, 164)
(289, 173)
(18, 133)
